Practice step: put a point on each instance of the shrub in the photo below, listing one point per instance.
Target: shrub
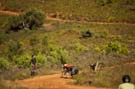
(22, 60)
(30, 19)
(45, 41)
(41, 59)
(79, 48)
(3, 38)
(103, 2)
(34, 41)
(14, 48)
(79, 79)
(4, 64)
(103, 34)
(15, 23)
(58, 54)
(86, 33)
(116, 47)
(33, 18)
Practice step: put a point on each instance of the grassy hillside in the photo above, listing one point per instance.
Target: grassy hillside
(64, 40)
(54, 42)
(89, 10)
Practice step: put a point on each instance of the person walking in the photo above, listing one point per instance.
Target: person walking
(126, 83)
(33, 65)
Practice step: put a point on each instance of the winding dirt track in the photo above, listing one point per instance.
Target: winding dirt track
(61, 20)
(51, 82)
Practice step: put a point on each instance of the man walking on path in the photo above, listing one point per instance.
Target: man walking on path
(33, 65)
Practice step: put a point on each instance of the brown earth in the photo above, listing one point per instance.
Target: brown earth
(62, 20)
(53, 81)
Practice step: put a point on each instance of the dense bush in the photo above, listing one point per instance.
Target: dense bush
(4, 64)
(45, 41)
(102, 34)
(103, 2)
(3, 38)
(24, 60)
(34, 41)
(116, 47)
(33, 18)
(30, 19)
(58, 54)
(14, 48)
(86, 33)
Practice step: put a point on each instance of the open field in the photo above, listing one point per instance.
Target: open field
(63, 37)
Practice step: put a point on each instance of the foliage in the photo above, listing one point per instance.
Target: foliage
(78, 47)
(30, 19)
(87, 33)
(14, 48)
(79, 79)
(45, 41)
(4, 64)
(102, 34)
(3, 38)
(116, 47)
(22, 60)
(103, 2)
(58, 54)
(41, 59)
(34, 40)
(33, 18)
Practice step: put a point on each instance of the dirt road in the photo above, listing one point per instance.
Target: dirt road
(61, 20)
(51, 82)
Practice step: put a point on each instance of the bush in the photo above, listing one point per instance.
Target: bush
(41, 59)
(30, 19)
(15, 23)
(3, 38)
(4, 64)
(45, 41)
(78, 47)
(103, 34)
(79, 79)
(34, 41)
(33, 18)
(103, 2)
(116, 47)
(58, 54)
(22, 60)
(86, 33)
(14, 48)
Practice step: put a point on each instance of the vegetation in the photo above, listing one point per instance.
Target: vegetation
(56, 42)
(88, 10)
(30, 19)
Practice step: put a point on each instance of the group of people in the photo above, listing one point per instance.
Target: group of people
(67, 68)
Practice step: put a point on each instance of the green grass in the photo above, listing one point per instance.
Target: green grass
(20, 5)
(108, 77)
(88, 10)
(3, 20)
(68, 36)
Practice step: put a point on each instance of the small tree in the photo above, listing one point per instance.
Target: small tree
(33, 18)
(30, 19)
